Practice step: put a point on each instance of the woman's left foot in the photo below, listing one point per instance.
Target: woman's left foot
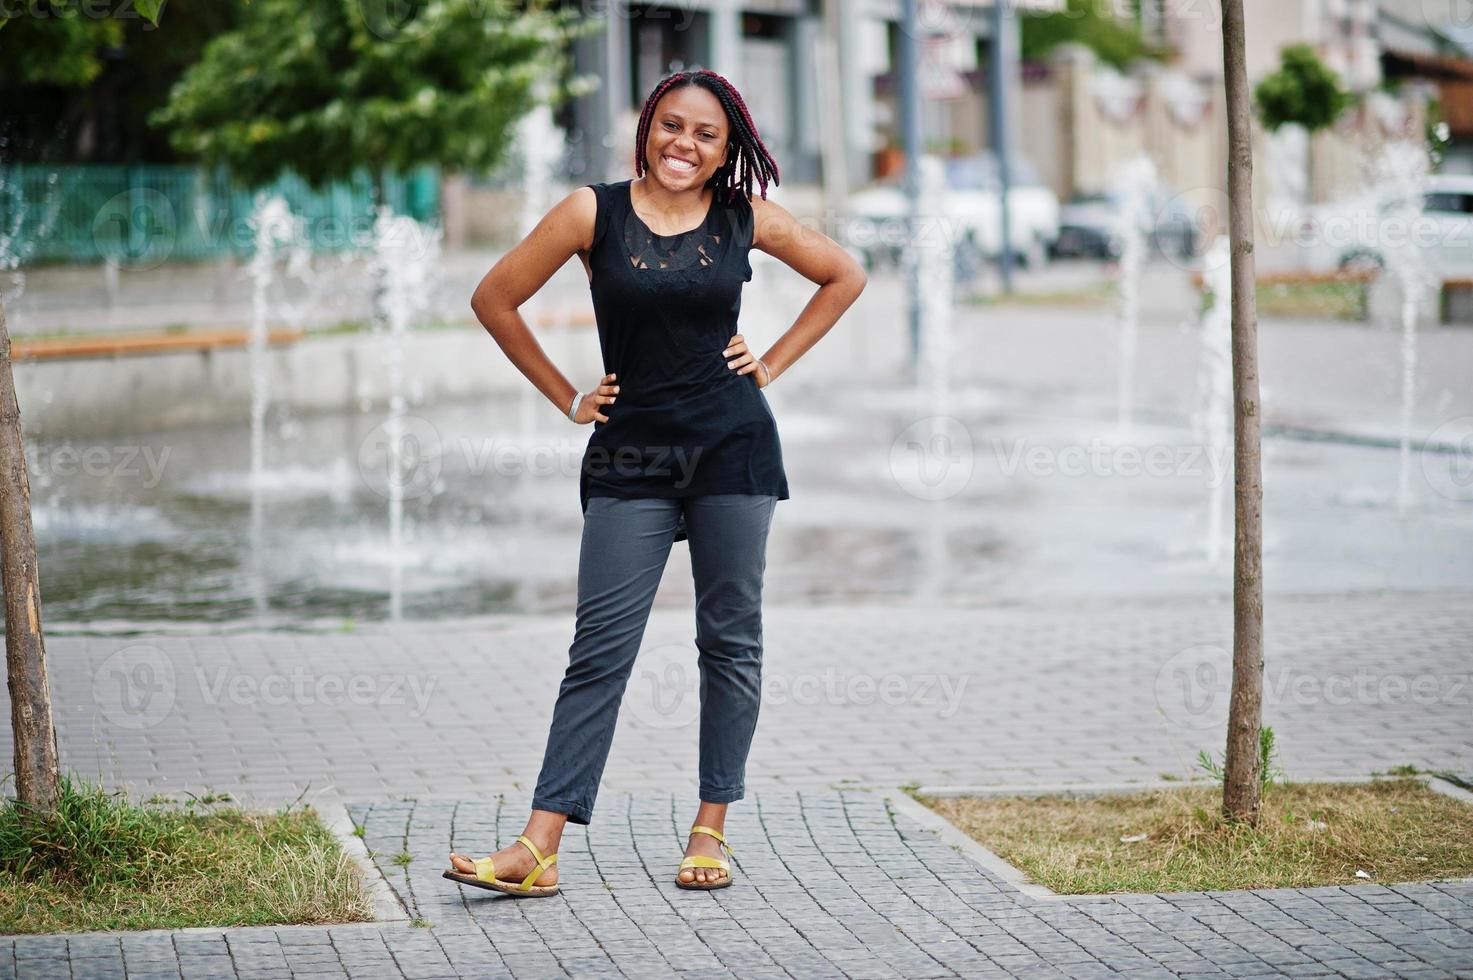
(707, 846)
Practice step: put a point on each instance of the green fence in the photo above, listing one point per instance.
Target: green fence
(146, 215)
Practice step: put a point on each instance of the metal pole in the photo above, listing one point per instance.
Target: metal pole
(616, 90)
(829, 56)
(725, 22)
(1000, 65)
(910, 114)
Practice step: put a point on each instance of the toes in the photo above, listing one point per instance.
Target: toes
(462, 864)
(702, 876)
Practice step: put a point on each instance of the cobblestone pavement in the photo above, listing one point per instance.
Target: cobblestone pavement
(401, 723)
(1078, 692)
(828, 883)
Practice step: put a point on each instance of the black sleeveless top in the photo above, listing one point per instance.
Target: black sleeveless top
(684, 423)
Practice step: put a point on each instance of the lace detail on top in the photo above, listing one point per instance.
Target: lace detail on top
(647, 250)
(694, 248)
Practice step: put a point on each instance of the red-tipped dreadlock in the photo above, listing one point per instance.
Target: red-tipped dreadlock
(750, 157)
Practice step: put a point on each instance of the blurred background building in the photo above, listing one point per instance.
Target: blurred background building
(1092, 87)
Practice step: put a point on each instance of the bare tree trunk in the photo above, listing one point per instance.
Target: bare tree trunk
(37, 776)
(1240, 796)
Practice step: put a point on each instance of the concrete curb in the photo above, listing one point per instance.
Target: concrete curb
(1439, 785)
(386, 904)
(903, 802)
(980, 855)
(1101, 789)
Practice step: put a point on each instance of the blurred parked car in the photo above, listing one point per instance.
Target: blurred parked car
(972, 217)
(1364, 232)
(1095, 225)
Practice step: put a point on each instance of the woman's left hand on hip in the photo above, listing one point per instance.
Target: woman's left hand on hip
(743, 361)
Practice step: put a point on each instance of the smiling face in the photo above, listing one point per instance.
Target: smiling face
(687, 141)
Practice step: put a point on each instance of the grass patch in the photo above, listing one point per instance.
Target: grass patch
(1336, 300)
(105, 864)
(1345, 301)
(1309, 834)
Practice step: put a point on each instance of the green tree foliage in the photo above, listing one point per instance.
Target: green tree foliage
(61, 42)
(69, 67)
(45, 44)
(1303, 90)
(323, 87)
(1114, 40)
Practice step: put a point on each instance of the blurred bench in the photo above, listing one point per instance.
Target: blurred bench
(1457, 300)
(580, 316)
(122, 345)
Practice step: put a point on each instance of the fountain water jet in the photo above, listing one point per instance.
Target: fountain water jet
(540, 148)
(407, 268)
(1399, 174)
(936, 428)
(273, 229)
(1136, 178)
(1212, 420)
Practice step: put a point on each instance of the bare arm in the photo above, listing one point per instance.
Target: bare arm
(819, 259)
(563, 232)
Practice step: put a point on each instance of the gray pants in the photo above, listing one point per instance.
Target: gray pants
(625, 546)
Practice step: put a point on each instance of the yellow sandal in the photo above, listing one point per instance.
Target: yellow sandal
(702, 861)
(485, 876)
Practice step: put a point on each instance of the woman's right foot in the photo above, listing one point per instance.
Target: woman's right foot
(706, 846)
(513, 864)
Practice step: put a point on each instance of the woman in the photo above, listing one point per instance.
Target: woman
(684, 446)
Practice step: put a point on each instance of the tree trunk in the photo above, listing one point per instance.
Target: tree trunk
(1240, 796)
(37, 776)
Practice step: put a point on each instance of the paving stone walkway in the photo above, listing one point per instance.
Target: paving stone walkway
(880, 693)
(827, 884)
(832, 879)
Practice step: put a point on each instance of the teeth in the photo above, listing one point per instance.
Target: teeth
(679, 164)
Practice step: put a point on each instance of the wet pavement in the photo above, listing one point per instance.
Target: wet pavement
(1026, 485)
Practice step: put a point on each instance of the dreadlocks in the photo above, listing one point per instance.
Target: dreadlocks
(750, 157)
